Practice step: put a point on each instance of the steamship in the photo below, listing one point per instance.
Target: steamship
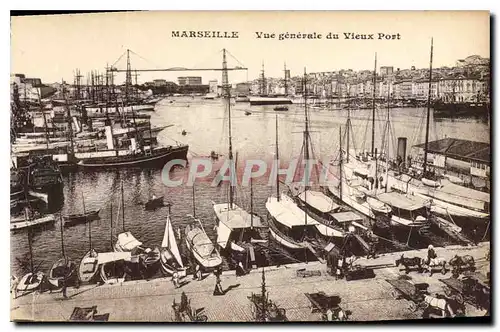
(269, 100)
(131, 154)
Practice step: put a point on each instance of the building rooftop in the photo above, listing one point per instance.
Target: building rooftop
(460, 148)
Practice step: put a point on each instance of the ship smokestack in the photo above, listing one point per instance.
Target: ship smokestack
(109, 137)
(401, 151)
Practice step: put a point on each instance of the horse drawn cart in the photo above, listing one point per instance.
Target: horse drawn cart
(414, 293)
(320, 302)
(469, 289)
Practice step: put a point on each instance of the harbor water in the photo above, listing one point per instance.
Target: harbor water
(205, 124)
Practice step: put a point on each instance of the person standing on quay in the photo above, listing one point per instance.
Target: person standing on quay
(64, 288)
(175, 279)
(197, 273)
(218, 287)
(13, 285)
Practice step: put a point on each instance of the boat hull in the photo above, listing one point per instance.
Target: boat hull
(89, 268)
(80, 219)
(154, 161)
(281, 238)
(32, 223)
(207, 262)
(269, 101)
(28, 284)
(57, 280)
(113, 272)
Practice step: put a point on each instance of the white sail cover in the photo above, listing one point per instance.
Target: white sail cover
(201, 242)
(170, 242)
(106, 257)
(287, 213)
(127, 242)
(235, 217)
(401, 201)
(319, 201)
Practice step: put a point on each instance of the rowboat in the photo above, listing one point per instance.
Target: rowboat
(25, 223)
(30, 281)
(430, 183)
(80, 218)
(113, 266)
(170, 257)
(62, 270)
(202, 248)
(154, 203)
(89, 267)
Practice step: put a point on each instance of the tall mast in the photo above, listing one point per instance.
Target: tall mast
(286, 82)
(348, 125)
(262, 85)
(306, 129)
(387, 130)
(44, 122)
(277, 163)
(62, 237)
(70, 128)
(340, 162)
(428, 110)
(128, 78)
(194, 205)
(306, 143)
(111, 224)
(31, 252)
(227, 91)
(251, 203)
(123, 209)
(373, 103)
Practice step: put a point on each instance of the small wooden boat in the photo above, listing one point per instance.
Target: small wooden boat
(248, 113)
(281, 108)
(79, 218)
(202, 248)
(89, 267)
(154, 203)
(63, 269)
(31, 281)
(431, 183)
(113, 266)
(20, 223)
(170, 257)
(454, 179)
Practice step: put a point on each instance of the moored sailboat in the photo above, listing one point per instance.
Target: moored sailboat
(170, 257)
(200, 245)
(63, 270)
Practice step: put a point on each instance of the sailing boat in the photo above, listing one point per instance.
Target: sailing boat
(464, 205)
(89, 267)
(315, 203)
(198, 242)
(170, 257)
(32, 280)
(64, 269)
(288, 224)
(235, 225)
(126, 242)
(113, 264)
(86, 216)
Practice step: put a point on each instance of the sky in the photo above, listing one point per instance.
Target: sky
(52, 47)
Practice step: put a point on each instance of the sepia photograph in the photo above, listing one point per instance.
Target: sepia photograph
(250, 166)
